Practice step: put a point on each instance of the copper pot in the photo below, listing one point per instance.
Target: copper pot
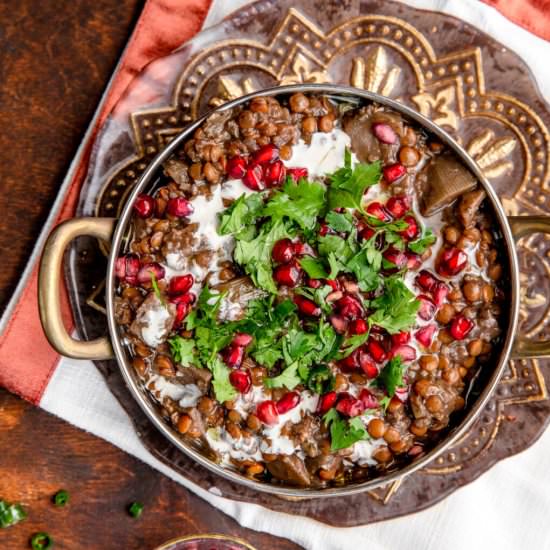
(114, 231)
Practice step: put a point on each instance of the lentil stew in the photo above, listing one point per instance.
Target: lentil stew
(311, 290)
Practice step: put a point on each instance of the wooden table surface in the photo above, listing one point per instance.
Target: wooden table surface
(57, 56)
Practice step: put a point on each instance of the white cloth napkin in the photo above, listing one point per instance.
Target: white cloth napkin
(506, 509)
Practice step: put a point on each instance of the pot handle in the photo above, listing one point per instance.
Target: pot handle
(49, 285)
(522, 226)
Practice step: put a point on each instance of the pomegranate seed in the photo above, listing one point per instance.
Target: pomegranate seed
(396, 257)
(303, 249)
(451, 261)
(182, 310)
(393, 172)
(287, 274)
(266, 411)
(297, 173)
(275, 173)
(359, 326)
(253, 178)
(181, 284)
(349, 405)
(407, 353)
(425, 280)
(339, 324)
(376, 350)
(368, 399)
(189, 298)
(460, 327)
(307, 307)
(427, 307)
(351, 362)
(323, 229)
(127, 268)
(240, 380)
(283, 251)
(400, 338)
(439, 293)
(411, 232)
(377, 210)
(146, 273)
(236, 167)
(333, 283)
(384, 132)
(144, 205)
(288, 402)
(367, 365)
(366, 233)
(349, 307)
(413, 261)
(265, 154)
(425, 335)
(241, 339)
(314, 283)
(233, 356)
(397, 206)
(326, 402)
(179, 207)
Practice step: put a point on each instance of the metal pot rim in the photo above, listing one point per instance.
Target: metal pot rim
(151, 410)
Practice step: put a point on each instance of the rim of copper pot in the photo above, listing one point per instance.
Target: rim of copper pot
(151, 409)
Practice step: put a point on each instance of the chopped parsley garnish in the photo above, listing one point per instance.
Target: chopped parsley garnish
(300, 202)
(156, 288)
(391, 376)
(320, 379)
(220, 381)
(237, 219)
(313, 267)
(255, 255)
(396, 308)
(344, 433)
(182, 350)
(424, 242)
(348, 185)
(10, 514)
(61, 498)
(341, 222)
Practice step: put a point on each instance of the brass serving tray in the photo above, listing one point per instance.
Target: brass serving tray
(444, 68)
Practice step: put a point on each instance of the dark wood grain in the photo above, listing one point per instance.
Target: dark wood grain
(57, 56)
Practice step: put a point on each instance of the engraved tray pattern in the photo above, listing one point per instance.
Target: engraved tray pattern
(448, 71)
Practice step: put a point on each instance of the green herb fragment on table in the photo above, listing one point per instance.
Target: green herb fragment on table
(41, 541)
(135, 509)
(10, 514)
(61, 498)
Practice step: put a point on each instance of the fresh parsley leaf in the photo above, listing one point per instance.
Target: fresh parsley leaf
(288, 378)
(182, 350)
(365, 265)
(344, 433)
(236, 219)
(342, 249)
(396, 308)
(156, 288)
(352, 343)
(223, 389)
(317, 295)
(336, 266)
(394, 225)
(320, 379)
(301, 202)
(391, 376)
(385, 402)
(313, 267)
(347, 184)
(421, 244)
(339, 222)
(207, 308)
(255, 255)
